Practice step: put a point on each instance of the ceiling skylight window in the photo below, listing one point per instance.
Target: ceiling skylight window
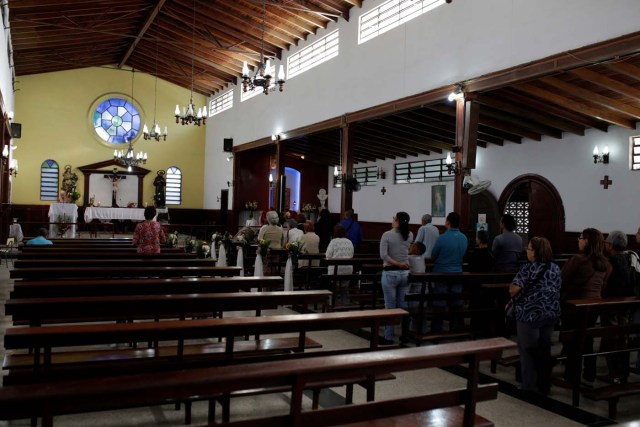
(221, 103)
(315, 54)
(392, 14)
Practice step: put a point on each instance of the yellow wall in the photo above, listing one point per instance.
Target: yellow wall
(54, 110)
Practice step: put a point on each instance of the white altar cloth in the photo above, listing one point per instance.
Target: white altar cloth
(70, 211)
(107, 214)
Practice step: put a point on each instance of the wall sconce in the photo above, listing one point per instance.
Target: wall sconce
(5, 152)
(13, 168)
(270, 181)
(336, 175)
(382, 174)
(229, 158)
(10, 116)
(383, 190)
(229, 184)
(453, 167)
(458, 93)
(601, 158)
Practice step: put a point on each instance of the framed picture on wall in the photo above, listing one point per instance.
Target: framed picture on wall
(438, 200)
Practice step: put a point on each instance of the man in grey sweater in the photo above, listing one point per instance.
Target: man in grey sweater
(507, 247)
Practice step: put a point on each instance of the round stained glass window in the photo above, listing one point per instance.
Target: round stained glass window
(116, 121)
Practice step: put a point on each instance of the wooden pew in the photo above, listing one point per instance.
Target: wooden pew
(104, 254)
(49, 400)
(457, 306)
(37, 311)
(132, 261)
(81, 241)
(179, 285)
(137, 272)
(48, 249)
(362, 290)
(583, 311)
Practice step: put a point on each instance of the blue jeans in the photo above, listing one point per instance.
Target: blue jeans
(395, 285)
(534, 346)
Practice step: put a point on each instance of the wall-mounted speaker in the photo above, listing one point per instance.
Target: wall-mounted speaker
(16, 130)
(227, 145)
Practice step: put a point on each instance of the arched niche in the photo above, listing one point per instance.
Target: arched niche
(105, 168)
(546, 210)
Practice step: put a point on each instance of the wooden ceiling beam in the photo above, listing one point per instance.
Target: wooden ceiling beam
(593, 112)
(593, 97)
(520, 122)
(624, 68)
(143, 30)
(608, 83)
(438, 140)
(580, 120)
(540, 116)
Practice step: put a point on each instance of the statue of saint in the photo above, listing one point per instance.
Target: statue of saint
(159, 183)
(322, 196)
(69, 180)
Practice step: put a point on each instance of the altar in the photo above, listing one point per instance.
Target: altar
(63, 212)
(110, 214)
(119, 214)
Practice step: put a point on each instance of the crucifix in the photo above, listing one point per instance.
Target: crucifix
(606, 182)
(115, 178)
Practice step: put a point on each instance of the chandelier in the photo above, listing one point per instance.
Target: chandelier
(188, 115)
(155, 129)
(262, 76)
(129, 158)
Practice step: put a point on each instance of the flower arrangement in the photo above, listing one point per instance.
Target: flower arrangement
(226, 241)
(171, 240)
(74, 196)
(63, 225)
(202, 249)
(190, 245)
(294, 250)
(308, 208)
(251, 206)
(216, 238)
(263, 246)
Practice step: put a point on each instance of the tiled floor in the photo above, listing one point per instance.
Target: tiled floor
(510, 409)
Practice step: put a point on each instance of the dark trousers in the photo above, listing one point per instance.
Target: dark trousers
(534, 345)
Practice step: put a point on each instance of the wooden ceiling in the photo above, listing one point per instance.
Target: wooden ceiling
(55, 35)
(590, 88)
(568, 102)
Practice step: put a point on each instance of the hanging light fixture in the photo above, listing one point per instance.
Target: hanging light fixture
(155, 129)
(188, 115)
(129, 158)
(262, 76)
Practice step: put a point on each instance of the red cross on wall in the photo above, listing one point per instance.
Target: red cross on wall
(606, 182)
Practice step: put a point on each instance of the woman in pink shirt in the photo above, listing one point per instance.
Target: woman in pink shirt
(148, 234)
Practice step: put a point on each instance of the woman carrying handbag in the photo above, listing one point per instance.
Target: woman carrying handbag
(536, 294)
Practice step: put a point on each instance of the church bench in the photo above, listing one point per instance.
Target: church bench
(46, 365)
(106, 287)
(92, 241)
(362, 290)
(46, 273)
(88, 249)
(457, 307)
(106, 254)
(92, 394)
(37, 311)
(577, 338)
(132, 261)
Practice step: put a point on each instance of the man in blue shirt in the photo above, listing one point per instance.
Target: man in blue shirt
(448, 252)
(354, 233)
(41, 239)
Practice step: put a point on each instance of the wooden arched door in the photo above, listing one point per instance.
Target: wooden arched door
(537, 199)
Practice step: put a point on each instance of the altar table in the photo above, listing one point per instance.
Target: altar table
(68, 211)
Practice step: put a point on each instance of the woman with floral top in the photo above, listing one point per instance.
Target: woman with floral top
(148, 234)
(536, 289)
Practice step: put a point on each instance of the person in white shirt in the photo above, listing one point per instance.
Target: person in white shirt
(340, 247)
(427, 234)
(310, 244)
(291, 231)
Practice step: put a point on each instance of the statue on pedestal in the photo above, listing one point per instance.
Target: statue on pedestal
(322, 196)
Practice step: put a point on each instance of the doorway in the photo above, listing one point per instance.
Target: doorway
(536, 204)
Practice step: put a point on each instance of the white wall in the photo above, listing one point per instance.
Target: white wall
(6, 86)
(455, 42)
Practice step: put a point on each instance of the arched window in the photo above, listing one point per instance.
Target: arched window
(49, 180)
(174, 186)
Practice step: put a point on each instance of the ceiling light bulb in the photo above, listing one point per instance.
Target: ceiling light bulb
(448, 161)
(281, 75)
(595, 151)
(605, 150)
(335, 171)
(245, 69)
